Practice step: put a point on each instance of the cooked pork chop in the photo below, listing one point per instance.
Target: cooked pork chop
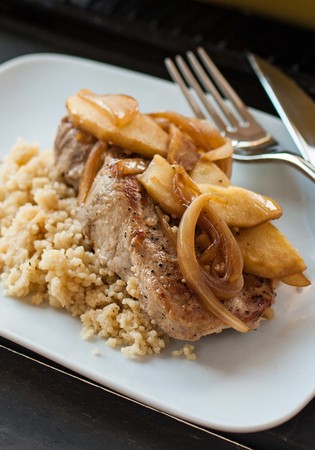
(72, 147)
(120, 220)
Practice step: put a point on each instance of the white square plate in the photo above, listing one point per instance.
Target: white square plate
(239, 382)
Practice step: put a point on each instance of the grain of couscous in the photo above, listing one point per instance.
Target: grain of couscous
(45, 257)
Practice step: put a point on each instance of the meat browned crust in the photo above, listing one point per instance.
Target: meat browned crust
(72, 147)
(120, 220)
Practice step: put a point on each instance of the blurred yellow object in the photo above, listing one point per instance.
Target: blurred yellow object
(300, 12)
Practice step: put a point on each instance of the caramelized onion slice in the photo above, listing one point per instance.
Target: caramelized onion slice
(194, 274)
(167, 229)
(181, 149)
(202, 133)
(120, 109)
(131, 166)
(223, 152)
(225, 274)
(188, 126)
(92, 166)
(223, 250)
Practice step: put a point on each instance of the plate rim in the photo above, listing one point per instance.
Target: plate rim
(54, 57)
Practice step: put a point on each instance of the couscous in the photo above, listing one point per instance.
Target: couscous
(44, 256)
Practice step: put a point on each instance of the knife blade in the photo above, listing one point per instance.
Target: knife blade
(294, 106)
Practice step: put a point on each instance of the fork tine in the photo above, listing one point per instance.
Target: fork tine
(210, 87)
(193, 83)
(225, 86)
(239, 125)
(177, 78)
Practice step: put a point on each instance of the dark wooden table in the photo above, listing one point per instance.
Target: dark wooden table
(44, 406)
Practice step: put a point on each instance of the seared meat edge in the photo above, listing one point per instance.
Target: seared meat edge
(120, 220)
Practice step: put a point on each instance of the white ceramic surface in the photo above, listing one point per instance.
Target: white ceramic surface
(239, 382)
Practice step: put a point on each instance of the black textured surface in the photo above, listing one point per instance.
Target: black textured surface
(140, 34)
(42, 407)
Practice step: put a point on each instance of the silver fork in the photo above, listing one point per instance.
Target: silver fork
(250, 141)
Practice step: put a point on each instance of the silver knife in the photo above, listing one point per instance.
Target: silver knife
(294, 106)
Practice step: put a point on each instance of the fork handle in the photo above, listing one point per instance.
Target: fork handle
(300, 163)
(306, 167)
